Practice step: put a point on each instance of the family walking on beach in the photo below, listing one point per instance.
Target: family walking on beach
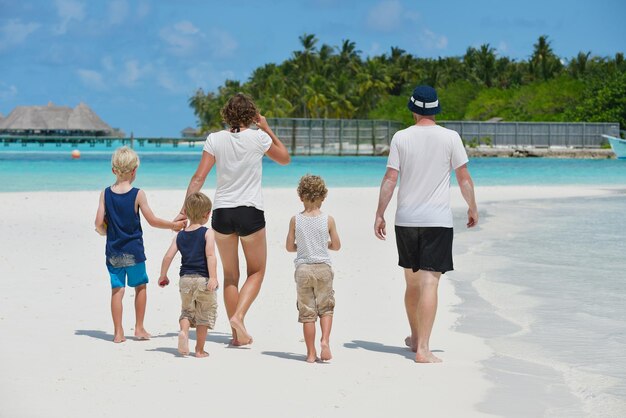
(422, 156)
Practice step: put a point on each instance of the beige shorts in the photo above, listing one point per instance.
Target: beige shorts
(316, 296)
(199, 305)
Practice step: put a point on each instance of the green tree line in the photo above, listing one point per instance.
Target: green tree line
(337, 82)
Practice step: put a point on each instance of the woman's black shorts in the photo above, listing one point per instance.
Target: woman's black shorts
(242, 220)
(425, 248)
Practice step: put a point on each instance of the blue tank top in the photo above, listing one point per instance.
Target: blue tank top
(192, 247)
(124, 234)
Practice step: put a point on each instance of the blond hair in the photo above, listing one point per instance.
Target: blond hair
(197, 205)
(124, 161)
(312, 188)
(240, 111)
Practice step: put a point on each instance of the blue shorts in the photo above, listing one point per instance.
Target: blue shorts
(137, 275)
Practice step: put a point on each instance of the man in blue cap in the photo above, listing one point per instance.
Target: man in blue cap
(424, 155)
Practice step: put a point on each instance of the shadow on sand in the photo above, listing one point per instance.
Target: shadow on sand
(168, 350)
(103, 335)
(283, 355)
(382, 348)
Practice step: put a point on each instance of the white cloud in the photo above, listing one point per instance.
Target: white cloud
(186, 27)
(91, 79)
(181, 38)
(118, 11)
(184, 39)
(69, 10)
(133, 72)
(502, 47)
(385, 16)
(14, 32)
(431, 40)
(223, 44)
(7, 92)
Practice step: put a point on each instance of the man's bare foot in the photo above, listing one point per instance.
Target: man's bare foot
(409, 343)
(326, 354)
(141, 334)
(243, 338)
(200, 354)
(427, 357)
(119, 338)
(183, 343)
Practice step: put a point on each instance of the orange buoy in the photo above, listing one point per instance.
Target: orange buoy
(75, 154)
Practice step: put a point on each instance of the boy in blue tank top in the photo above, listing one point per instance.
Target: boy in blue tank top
(198, 274)
(311, 234)
(118, 219)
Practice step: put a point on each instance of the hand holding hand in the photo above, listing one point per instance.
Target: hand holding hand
(178, 225)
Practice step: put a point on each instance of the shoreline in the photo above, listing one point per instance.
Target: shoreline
(534, 152)
(508, 312)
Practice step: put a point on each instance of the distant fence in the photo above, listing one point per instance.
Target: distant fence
(334, 136)
(534, 134)
(361, 137)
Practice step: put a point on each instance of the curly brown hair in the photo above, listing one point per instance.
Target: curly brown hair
(312, 188)
(240, 111)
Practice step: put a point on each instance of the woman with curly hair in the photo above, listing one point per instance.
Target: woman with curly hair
(237, 153)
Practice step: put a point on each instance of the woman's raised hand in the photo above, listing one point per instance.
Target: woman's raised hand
(261, 122)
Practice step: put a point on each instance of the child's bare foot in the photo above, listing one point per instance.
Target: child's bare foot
(141, 334)
(243, 338)
(202, 353)
(409, 343)
(326, 354)
(183, 343)
(119, 338)
(427, 357)
(312, 357)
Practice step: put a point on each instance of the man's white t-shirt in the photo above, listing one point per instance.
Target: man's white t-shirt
(239, 165)
(425, 156)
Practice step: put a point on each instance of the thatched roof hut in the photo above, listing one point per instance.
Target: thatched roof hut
(190, 132)
(54, 120)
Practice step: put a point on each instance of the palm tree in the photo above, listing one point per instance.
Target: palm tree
(578, 64)
(544, 62)
(486, 64)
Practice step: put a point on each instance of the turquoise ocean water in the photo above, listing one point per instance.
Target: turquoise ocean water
(35, 168)
(550, 297)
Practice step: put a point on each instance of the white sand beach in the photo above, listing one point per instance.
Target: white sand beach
(57, 358)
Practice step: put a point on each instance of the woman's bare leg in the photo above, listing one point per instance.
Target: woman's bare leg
(255, 251)
(228, 247)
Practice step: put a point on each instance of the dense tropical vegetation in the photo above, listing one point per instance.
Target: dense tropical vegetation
(337, 82)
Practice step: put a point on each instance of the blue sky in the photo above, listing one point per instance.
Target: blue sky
(136, 62)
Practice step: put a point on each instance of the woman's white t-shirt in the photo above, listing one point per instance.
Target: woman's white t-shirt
(425, 156)
(239, 165)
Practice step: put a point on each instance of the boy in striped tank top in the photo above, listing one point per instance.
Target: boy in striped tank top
(198, 274)
(311, 234)
(118, 219)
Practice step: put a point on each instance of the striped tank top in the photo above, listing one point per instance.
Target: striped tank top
(312, 239)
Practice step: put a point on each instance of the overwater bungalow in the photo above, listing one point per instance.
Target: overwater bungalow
(55, 121)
